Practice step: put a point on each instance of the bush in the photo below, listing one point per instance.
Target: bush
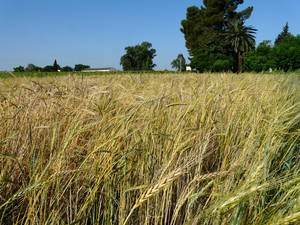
(67, 69)
(33, 68)
(257, 63)
(19, 69)
(79, 67)
(285, 56)
(49, 69)
(203, 61)
(222, 65)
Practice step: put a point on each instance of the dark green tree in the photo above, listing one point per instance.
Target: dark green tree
(179, 63)
(79, 67)
(264, 48)
(242, 40)
(56, 67)
(66, 69)
(204, 30)
(19, 69)
(260, 59)
(139, 57)
(49, 68)
(32, 68)
(205, 62)
(284, 34)
(203, 27)
(287, 54)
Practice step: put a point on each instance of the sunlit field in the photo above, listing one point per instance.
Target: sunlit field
(150, 149)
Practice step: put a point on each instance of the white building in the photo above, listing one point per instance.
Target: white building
(188, 68)
(105, 69)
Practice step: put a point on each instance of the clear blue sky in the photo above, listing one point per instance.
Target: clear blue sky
(95, 32)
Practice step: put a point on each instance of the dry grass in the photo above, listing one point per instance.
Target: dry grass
(150, 149)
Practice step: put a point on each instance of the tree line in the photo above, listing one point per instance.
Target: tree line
(284, 55)
(216, 35)
(50, 68)
(218, 40)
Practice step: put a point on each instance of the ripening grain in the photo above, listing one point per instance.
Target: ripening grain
(150, 149)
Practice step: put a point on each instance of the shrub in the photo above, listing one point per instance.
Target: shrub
(222, 65)
(19, 69)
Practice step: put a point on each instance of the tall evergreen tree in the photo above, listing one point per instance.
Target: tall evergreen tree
(204, 26)
(285, 33)
(56, 67)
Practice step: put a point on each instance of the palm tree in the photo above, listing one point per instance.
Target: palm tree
(242, 40)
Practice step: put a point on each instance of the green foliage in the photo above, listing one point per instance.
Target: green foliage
(203, 25)
(264, 48)
(32, 68)
(284, 34)
(257, 63)
(285, 56)
(179, 63)
(19, 69)
(260, 59)
(139, 57)
(205, 29)
(79, 67)
(56, 67)
(204, 62)
(222, 65)
(49, 69)
(66, 69)
(242, 40)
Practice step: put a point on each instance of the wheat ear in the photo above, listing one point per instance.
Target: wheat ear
(154, 190)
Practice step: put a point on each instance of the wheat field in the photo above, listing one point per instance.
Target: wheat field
(150, 149)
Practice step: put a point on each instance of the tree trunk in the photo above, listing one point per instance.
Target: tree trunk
(239, 69)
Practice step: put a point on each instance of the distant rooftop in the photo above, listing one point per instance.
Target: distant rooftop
(100, 69)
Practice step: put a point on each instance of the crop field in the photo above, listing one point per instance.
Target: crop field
(150, 149)
(59, 74)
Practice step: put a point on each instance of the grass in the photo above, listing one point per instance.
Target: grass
(150, 149)
(59, 74)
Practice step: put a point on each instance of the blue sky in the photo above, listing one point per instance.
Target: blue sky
(95, 32)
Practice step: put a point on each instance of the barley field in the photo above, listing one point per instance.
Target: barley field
(150, 149)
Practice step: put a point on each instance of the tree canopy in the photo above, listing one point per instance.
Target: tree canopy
(205, 29)
(242, 40)
(49, 68)
(32, 68)
(79, 67)
(179, 63)
(284, 56)
(66, 69)
(204, 26)
(139, 57)
(284, 34)
(19, 69)
(56, 67)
